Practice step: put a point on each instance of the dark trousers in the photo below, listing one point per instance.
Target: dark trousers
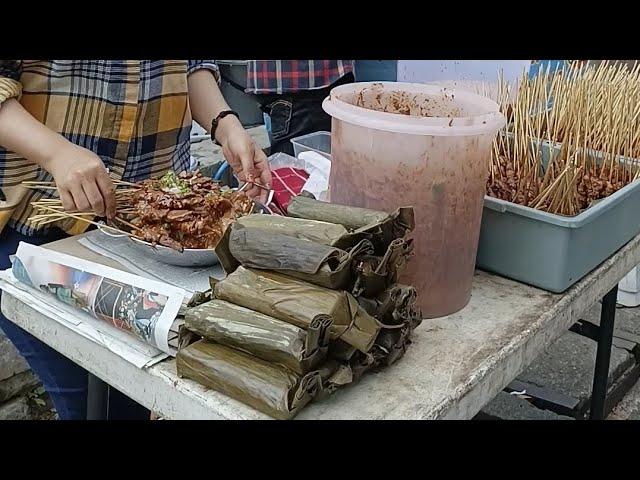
(296, 114)
(64, 381)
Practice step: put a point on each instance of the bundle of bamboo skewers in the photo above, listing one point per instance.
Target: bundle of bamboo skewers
(569, 140)
(183, 210)
(50, 210)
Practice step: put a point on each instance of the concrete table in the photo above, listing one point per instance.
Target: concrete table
(454, 367)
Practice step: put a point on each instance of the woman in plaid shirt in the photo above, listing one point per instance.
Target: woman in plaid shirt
(66, 120)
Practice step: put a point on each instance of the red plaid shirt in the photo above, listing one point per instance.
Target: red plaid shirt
(280, 76)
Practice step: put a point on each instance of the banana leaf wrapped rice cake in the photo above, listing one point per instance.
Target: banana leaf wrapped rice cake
(396, 311)
(352, 218)
(309, 304)
(299, 303)
(336, 225)
(394, 306)
(325, 233)
(373, 274)
(260, 335)
(379, 227)
(267, 387)
(356, 269)
(322, 233)
(314, 262)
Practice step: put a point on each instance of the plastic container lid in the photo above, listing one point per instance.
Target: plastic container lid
(477, 115)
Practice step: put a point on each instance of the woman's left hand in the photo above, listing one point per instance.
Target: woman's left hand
(246, 159)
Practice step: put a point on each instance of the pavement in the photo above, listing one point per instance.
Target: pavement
(629, 407)
(567, 368)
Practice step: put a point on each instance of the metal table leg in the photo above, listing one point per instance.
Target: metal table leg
(603, 355)
(97, 399)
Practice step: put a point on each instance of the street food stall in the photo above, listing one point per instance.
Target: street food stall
(353, 291)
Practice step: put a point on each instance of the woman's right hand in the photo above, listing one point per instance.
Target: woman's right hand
(80, 175)
(82, 180)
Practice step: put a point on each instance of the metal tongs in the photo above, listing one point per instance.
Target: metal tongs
(265, 207)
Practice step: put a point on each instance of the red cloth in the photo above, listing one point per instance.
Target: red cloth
(287, 182)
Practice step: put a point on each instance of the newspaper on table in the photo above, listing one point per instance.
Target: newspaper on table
(143, 308)
(123, 344)
(123, 251)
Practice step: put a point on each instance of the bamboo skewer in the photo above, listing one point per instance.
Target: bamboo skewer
(81, 218)
(593, 113)
(128, 224)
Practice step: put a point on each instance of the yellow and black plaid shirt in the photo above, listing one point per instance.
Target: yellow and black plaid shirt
(134, 114)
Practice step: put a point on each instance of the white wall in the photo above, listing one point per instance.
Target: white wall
(469, 74)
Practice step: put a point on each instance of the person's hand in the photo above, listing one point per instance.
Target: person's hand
(82, 180)
(247, 160)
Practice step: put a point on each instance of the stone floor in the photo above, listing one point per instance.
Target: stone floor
(567, 368)
(629, 407)
(514, 407)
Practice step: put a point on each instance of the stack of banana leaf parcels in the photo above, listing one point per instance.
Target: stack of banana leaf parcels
(310, 303)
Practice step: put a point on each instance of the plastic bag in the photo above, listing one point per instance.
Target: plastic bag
(314, 166)
(319, 168)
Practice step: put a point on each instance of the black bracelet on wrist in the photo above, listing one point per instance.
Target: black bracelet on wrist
(216, 121)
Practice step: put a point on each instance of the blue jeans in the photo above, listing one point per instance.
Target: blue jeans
(64, 381)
